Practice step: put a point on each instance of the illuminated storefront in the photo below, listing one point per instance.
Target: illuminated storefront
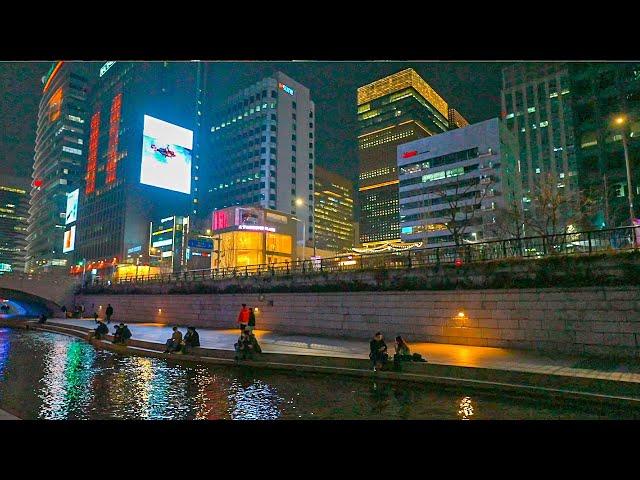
(252, 236)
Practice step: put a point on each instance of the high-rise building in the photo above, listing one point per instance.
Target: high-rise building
(393, 110)
(452, 184)
(537, 109)
(333, 211)
(262, 150)
(14, 211)
(603, 92)
(59, 153)
(140, 164)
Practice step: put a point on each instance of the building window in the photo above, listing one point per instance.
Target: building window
(273, 94)
(293, 104)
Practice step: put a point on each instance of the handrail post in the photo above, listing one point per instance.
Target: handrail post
(589, 238)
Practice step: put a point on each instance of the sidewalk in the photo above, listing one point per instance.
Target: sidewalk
(435, 353)
(7, 416)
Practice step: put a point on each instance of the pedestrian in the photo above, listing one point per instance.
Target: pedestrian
(42, 319)
(117, 335)
(108, 312)
(191, 339)
(243, 317)
(95, 317)
(64, 311)
(242, 346)
(173, 344)
(403, 353)
(251, 326)
(125, 333)
(378, 351)
(100, 330)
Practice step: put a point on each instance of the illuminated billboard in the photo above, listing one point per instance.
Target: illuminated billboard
(69, 240)
(166, 155)
(72, 207)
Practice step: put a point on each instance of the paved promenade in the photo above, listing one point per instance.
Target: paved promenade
(435, 353)
(7, 416)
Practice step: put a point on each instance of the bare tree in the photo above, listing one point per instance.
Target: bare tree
(463, 198)
(557, 211)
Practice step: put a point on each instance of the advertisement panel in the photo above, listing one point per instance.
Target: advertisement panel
(72, 207)
(166, 155)
(69, 240)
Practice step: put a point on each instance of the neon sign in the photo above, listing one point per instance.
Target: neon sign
(287, 89)
(106, 67)
(260, 228)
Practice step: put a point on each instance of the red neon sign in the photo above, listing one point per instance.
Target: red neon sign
(219, 220)
(410, 154)
(112, 151)
(92, 158)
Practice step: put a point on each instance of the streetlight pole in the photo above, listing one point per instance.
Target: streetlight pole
(300, 203)
(628, 166)
(621, 121)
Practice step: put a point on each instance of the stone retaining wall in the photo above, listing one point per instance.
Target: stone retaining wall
(601, 321)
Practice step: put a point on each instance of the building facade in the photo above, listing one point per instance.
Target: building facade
(452, 184)
(333, 211)
(603, 92)
(392, 111)
(252, 236)
(262, 150)
(60, 151)
(140, 163)
(537, 109)
(14, 214)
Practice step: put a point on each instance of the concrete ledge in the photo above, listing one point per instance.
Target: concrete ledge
(4, 415)
(550, 385)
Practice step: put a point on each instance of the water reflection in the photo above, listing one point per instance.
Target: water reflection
(66, 389)
(46, 375)
(465, 411)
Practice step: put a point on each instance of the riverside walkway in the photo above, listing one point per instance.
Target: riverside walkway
(436, 353)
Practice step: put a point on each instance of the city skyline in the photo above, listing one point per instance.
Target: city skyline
(335, 99)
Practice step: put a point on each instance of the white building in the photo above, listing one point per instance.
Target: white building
(451, 184)
(262, 150)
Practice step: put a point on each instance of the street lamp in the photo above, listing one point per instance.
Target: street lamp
(621, 121)
(300, 203)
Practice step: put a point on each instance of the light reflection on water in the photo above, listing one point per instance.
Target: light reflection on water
(51, 376)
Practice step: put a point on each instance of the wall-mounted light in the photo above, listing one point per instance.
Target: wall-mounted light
(159, 310)
(256, 309)
(460, 314)
(100, 306)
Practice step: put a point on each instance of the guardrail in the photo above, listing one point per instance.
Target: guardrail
(580, 243)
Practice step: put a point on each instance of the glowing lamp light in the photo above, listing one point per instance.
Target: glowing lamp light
(460, 314)
(257, 309)
(159, 310)
(458, 262)
(37, 183)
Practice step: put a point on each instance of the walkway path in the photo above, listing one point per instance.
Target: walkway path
(7, 416)
(435, 353)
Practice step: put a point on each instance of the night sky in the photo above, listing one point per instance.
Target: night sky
(472, 88)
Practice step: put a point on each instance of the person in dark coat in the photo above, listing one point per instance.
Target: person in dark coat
(191, 339)
(378, 351)
(100, 330)
(108, 312)
(42, 319)
(125, 333)
(251, 326)
(116, 334)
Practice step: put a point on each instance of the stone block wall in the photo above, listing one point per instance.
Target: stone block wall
(592, 320)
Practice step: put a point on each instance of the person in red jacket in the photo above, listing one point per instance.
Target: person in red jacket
(243, 317)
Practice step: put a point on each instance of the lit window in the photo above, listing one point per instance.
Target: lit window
(544, 124)
(531, 109)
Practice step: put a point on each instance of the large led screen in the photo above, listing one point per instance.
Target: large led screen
(72, 207)
(69, 240)
(166, 155)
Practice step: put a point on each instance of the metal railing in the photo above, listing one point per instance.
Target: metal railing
(580, 243)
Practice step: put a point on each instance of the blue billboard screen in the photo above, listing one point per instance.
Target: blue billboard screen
(166, 155)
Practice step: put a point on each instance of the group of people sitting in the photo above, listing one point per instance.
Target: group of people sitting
(379, 356)
(246, 345)
(178, 344)
(121, 333)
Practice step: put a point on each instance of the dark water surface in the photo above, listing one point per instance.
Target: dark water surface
(52, 376)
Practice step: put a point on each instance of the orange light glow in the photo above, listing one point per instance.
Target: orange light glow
(55, 105)
(51, 77)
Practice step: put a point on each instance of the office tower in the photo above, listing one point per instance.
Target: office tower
(14, 212)
(536, 107)
(452, 184)
(59, 154)
(603, 93)
(333, 211)
(140, 165)
(391, 111)
(262, 148)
